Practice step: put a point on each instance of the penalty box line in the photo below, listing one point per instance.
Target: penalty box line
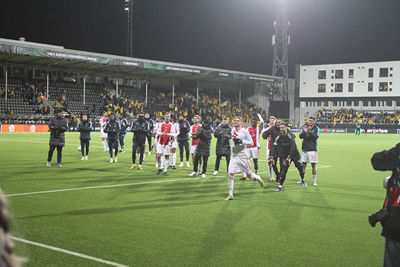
(69, 252)
(129, 184)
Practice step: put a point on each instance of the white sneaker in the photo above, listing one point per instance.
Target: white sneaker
(193, 174)
(59, 165)
(260, 181)
(229, 197)
(48, 164)
(156, 165)
(83, 158)
(215, 172)
(181, 165)
(115, 160)
(314, 184)
(187, 164)
(149, 153)
(105, 149)
(203, 176)
(298, 182)
(111, 160)
(87, 157)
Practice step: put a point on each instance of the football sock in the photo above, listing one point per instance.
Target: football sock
(314, 178)
(174, 159)
(166, 165)
(230, 186)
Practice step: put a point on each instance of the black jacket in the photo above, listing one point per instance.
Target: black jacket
(284, 146)
(58, 126)
(390, 161)
(203, 146)
(124, 124)
(84, 127)
(273, 131)
(151, 124)
(183, 132)
(223, 133)
(112, 128)
(141, 130)
(309, 139)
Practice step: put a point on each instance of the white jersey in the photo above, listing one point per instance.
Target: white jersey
(102, 122)
(156, 125)
(240, 149)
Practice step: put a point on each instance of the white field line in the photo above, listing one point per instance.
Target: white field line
(123, 185)
(68, 252)
(40, 142)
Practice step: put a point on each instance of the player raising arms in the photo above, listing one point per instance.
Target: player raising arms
(103, 135)
(165, 131)
(240, 162)
(195, 140)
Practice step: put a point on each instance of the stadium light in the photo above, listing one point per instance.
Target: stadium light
(126, 5)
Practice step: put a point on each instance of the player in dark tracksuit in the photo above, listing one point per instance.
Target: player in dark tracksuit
(274, 132)
(141, 130)
(124, 124)
(183, 139)
(112, 129)
(84, 127)
(151, 126)
(285, 149)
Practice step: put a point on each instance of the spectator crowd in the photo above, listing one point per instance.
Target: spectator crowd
(353, 116)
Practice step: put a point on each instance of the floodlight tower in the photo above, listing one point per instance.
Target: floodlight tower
(280, 42)
(129, 44)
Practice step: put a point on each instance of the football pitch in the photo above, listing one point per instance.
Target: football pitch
(92, 213)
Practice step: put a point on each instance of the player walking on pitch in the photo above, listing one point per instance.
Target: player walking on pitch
(310, 134)
(270, 134)
(195, 140)
(165, 131)
(103, 135)
(240, 162)
(253, 151)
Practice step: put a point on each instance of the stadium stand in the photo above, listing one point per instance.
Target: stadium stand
(352, 116)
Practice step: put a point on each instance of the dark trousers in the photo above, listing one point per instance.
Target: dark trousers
(121, 139)
(149, 141)
(284, 168)
(137, 145)
(275, 167)
(219, 157)
(196, 163)
(358, 131)
(83, 144)
(59, 153)
(392, 253)
(113, 145)
(184, 145)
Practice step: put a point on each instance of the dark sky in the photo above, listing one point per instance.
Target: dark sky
(229, 34)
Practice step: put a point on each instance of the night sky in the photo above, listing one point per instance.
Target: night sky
(229, 34)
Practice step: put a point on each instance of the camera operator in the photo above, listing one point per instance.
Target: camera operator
(140, 129)
(112, 129)
(58, 126)
(389, 215)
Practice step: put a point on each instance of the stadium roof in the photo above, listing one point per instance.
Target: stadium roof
(58, 58)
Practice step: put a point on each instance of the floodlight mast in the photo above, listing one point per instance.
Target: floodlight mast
(280, 42)
(129, 44)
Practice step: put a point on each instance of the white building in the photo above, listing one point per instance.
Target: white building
(361, 86)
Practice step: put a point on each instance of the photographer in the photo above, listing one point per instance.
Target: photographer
(389, 216)
(183, 139)
(112, 129)
(223, 133)
(141, 130)
(58, 126)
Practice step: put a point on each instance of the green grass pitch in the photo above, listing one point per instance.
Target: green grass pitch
(148, 221)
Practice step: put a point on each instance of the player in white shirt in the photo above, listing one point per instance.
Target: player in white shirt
(174, 143)
(103, 135)
(165, 132)
(240, 161)
(157, 124)
(195, 140)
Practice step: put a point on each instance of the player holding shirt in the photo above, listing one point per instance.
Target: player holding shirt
(165, 132)
(103, 135)
(195, 140)
(240, 162)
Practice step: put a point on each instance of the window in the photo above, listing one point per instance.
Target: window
(348, 103)
(319, 103)
(373, 103)
(350, 87)
(370, 73)
(383, 72)
(339, 87)
(351, 73)
(339, 74)
(334, 103)
(370, 87)
(326, 103)
(383, 87)
(321, 88)
(355, 103)
(365, 103)
(389, 103)
(398, 103)
(322, 74)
